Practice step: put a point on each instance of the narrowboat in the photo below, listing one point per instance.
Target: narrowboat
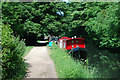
(73, 45)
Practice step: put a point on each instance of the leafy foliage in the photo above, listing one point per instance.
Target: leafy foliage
(105, 27)
(13, 66)
(100, 19)
(33, 18)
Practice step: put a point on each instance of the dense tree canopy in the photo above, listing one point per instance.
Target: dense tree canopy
(27, 19)
(104, 27)
(101, 20)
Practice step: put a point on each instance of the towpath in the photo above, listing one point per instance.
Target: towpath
(40, 63)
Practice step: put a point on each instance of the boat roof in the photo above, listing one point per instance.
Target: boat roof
(63, 38)
(67, 39)
(73, 39)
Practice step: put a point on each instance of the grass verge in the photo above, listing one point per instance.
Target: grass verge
(66, 67)
(28, 48)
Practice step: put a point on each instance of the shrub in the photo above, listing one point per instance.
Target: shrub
(13, 66)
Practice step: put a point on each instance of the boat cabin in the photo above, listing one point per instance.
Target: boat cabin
(70, 43)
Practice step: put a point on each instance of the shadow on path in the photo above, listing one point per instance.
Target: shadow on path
(41, 43)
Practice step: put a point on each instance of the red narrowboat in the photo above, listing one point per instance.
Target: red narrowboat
(70, 43)
(75, 45)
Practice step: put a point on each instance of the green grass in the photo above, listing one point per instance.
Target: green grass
(66, 67)
(38, 41)
(28, 48)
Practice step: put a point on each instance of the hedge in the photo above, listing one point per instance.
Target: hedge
(13, 65)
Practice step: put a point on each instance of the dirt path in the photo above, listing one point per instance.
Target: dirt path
(40, 64)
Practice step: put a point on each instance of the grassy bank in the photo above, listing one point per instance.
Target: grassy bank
(66, 67)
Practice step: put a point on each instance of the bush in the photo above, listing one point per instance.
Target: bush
(13, 66)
